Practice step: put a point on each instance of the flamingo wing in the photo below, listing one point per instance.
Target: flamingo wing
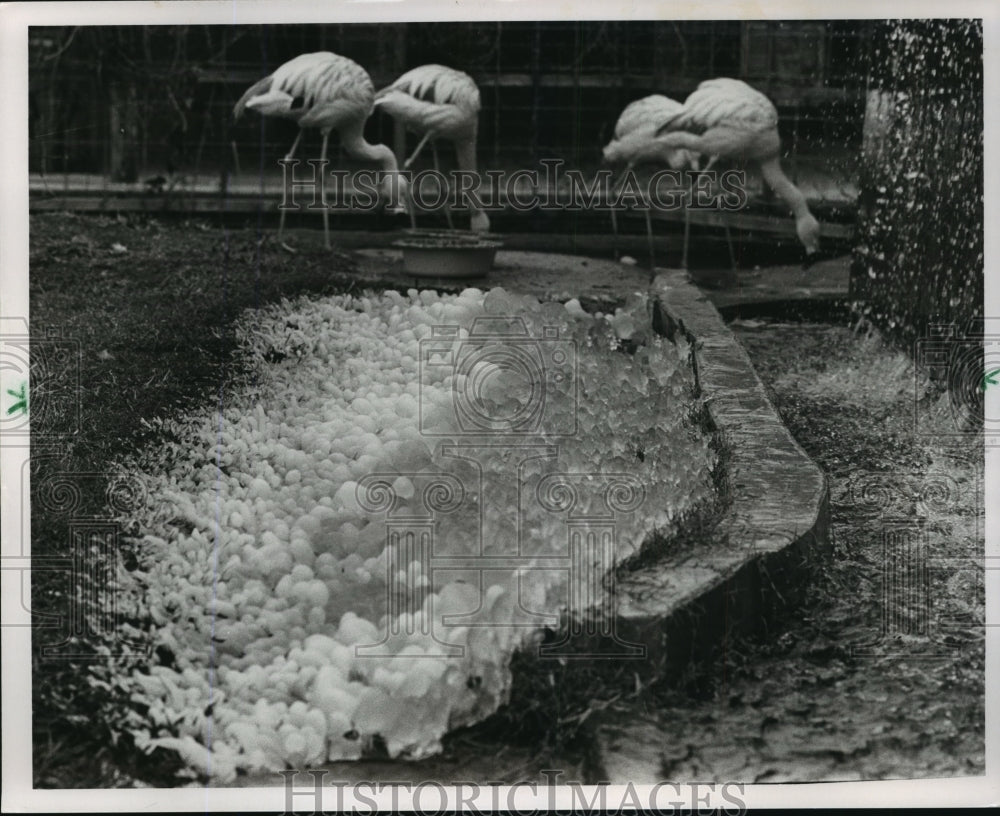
(438, 85)
(325, 88)
(648, 112)
(727, 103)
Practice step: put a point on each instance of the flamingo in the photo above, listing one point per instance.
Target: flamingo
(726, 117)
(330, 92)
(635, 143)
(440, 103)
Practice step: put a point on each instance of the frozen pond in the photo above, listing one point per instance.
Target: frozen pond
(342, 561)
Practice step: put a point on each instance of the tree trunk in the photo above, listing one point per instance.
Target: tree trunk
(919, 257)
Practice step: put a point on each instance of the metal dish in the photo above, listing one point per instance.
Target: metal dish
(447, 254)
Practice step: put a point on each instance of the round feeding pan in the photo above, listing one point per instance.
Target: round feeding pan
(447, 254)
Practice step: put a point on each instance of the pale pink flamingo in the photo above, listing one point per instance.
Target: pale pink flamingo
(439, 103)
(726, 117)
(634, 143)
(328, 92)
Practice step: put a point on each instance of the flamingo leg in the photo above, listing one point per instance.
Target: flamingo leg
(729, 237)
(447, 204)
(291, 153)
(732, 253)
(615, 189)
(614, 232)
(322, 190)
(649, 235)
(687, 231)
(409, 161)
(649, 239)
(412, 210)
(687, 218)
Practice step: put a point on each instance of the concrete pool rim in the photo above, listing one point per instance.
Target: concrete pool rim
(775, 530)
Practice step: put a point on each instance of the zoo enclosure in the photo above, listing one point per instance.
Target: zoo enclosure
(129, 102)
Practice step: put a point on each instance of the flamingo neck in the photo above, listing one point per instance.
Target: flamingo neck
(777, 180)
(356, 147)
(806, 226)
(352, 139)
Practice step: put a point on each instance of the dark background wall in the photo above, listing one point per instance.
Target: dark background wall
(129, 100)
(890, 109)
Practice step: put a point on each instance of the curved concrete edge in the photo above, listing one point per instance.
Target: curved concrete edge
(774, 531)
(686, 608)
(757, 563)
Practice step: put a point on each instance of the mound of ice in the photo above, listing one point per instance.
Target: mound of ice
(294, 552)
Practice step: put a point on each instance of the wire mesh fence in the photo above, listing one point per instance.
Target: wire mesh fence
(149, 109)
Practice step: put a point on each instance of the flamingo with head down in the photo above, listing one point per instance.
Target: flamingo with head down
(635, 143)
(439, 103)
(728, 118)
(328, 92)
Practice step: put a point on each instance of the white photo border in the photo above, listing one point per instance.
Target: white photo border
(15, 18)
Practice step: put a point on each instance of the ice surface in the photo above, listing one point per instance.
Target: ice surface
(298, 629)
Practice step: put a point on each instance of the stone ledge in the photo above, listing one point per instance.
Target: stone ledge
(775, 529)
(777, 521)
